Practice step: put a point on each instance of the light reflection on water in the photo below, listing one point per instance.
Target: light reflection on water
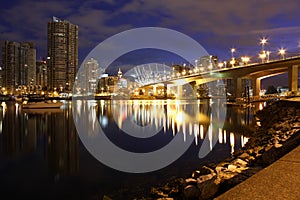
(43, 146)
(169, 116)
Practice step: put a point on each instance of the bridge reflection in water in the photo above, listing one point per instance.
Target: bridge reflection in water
(145, 118)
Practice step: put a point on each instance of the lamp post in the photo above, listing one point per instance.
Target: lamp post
(220, 64)
(245, 60)
(262, 56)
(282, 52)
(263, 41)
(268, 56)
(232, 51)
(232, 62)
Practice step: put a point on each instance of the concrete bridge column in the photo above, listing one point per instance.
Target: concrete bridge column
(154, 90)
(256, 86)
(179, 91)
(293, 78)
(165, 90)
(237, 87)
(193, 86)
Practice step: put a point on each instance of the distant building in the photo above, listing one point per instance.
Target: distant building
(18, 68)
(92, 72)
(62, 55)
(41, 74)
(108, 84)
(120, 73)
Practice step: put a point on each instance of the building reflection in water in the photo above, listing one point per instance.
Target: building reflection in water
(52, 131)
(196, 118)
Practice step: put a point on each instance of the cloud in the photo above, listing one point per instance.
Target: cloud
(278, 31)
(213, 23)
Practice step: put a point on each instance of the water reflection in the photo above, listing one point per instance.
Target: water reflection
(49, 132)
(144, 119)
(40, 144)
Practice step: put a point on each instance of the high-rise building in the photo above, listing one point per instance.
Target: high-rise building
(18, 68)
(62, 55)
(41, 74)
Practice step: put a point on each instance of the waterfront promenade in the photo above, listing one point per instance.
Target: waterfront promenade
(280, 180)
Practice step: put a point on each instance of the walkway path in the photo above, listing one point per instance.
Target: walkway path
(280, 180)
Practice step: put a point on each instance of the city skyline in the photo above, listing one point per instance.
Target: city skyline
(229, 26)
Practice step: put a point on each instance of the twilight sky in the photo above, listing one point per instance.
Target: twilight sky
(216, 25)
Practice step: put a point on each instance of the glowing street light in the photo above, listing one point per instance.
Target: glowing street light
(220, 65)
(245, 59)
(232, 62)
(263, 41)
(262, 56)
(268, 55)
(232, 51)
(282, 52)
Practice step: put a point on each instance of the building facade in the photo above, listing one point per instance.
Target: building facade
(41, 74)
(18, 69)
(62, 55)
(92, 72)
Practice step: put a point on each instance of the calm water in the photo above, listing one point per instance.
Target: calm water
(42, 156)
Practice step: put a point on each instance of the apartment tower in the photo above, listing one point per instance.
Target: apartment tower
(18, 70)
(62, 55)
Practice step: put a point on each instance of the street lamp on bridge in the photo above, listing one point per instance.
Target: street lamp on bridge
(245, 59)
(268, 55)
(262, 56)
(232, 62)
(232, 51)
(282, 52)
(263, 42)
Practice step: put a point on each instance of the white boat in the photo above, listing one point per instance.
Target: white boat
(41, 104)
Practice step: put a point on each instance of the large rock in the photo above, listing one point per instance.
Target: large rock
(225, 175)
(206, 170)
(191, 192)
(208, 185)
(240, 163)
(196, 174)
(191, 181)
(244, 156)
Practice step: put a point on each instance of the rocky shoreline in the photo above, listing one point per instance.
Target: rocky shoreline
(276, 133)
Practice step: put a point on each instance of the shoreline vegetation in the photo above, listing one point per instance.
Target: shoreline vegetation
(276, 133)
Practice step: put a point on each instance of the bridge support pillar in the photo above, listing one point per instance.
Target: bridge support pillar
(293, 78)
(165, 90)
(154, 90)
(256, 86)
(237, 87)
(193, 87)
(179, 91)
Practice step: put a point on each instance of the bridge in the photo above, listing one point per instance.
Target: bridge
(234, 76)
